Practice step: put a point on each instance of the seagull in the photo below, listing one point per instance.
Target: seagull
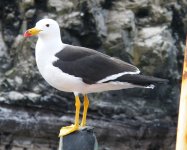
(81, 70)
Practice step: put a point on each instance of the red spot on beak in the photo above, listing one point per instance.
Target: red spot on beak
(27, 34)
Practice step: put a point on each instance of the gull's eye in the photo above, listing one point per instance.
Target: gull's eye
(47, 25)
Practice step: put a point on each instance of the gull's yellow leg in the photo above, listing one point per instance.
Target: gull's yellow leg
(86, 104)
(69, 129)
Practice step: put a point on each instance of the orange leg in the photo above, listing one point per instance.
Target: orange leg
(86, 105)
(69, 129)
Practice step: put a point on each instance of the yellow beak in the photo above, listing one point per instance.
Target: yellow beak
(31, 32)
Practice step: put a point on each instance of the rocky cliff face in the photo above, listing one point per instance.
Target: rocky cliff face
(147, 33)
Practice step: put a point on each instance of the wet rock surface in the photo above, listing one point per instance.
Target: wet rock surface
(148, 34)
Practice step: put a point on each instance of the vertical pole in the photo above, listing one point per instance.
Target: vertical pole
(181, 143)
(60, 147)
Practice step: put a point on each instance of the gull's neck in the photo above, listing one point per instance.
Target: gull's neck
(50, 40)
(49, 44)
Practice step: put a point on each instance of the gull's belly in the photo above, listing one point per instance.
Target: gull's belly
(62, 81)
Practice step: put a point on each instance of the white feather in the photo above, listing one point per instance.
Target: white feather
(115, 76)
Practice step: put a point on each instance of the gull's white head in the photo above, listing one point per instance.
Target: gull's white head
(45, 28)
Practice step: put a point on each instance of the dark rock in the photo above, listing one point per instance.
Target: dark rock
(20, 125)
(3, 55)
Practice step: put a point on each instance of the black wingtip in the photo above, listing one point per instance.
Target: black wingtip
(139, 79)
